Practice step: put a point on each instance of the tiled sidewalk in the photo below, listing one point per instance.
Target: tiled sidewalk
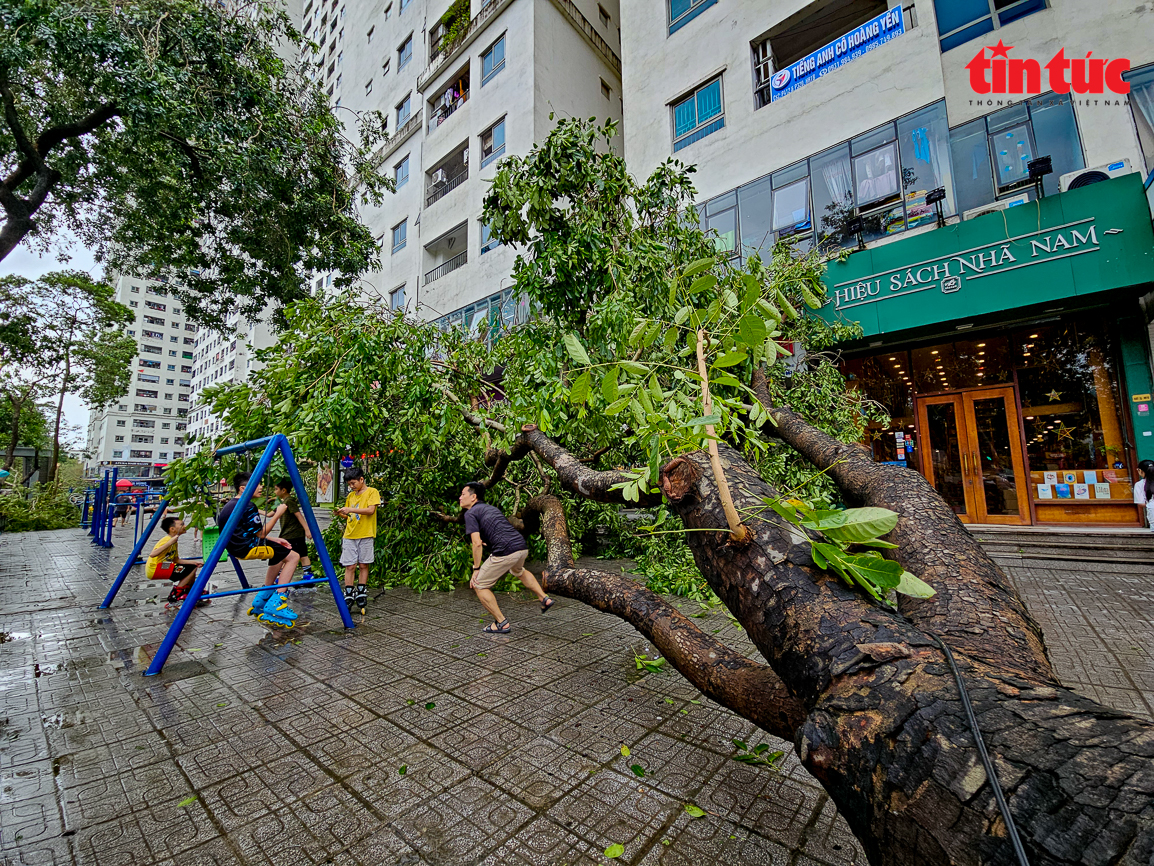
(293, 743)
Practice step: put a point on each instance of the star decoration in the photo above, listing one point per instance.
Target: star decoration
(875, 435)
(1064, 432)
(1054, 396)
(1000, 50)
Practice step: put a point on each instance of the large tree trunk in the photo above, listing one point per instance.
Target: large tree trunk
(866, 694)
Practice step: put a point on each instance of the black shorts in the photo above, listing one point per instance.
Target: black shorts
(121, 510)
(300, 545)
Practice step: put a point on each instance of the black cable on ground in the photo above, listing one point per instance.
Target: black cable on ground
(1003, 806)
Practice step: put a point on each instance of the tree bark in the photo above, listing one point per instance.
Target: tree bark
(886, 732)
(975, 605)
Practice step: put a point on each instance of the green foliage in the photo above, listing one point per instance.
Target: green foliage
(623, 278)
(175, 134)
(455, 20)
(45, 506)
(759, 755)
(854, 527)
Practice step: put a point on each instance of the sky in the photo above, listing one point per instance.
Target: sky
(22, 262)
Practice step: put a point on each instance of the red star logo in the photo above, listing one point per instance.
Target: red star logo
(1000, 50)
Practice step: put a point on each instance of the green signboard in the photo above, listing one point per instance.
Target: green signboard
(1082, 242)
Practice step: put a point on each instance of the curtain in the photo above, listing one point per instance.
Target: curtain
(838, 181)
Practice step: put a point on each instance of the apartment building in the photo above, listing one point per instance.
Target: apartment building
(986, 165)
(146, 429)
(462, 84)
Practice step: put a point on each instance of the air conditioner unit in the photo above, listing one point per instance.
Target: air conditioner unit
(992, 207)
(439, 177)
(1097, 174)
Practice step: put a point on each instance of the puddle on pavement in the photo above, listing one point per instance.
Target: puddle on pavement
(8, 636)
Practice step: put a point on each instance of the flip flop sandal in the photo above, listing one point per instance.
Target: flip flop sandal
(546, 604)
(501, 627)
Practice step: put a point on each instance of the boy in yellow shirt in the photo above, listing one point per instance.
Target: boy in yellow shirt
(164, 563)
(360, 511)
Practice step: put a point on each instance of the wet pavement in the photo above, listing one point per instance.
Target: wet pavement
(413, 739)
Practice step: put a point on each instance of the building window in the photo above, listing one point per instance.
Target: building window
(681, 12)
(121, 408)
(134, 303)
(603, 15)
(405, 4)
(119, 439)
(369, 35)
(369, 87)
(404, 109)
(606, 90)
(397, 298)
(492, 142)
(493, 61)
(401, 172)
(697, 115)
(405, 53)
(120, 423)
(991, 154)
(385, 67)
(1142, 107)
(488, 242)
(118, 454)
(388, 11)
(959, 21)
(400, 236)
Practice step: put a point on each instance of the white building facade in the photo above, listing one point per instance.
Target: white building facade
(462, 86)
(146, 429)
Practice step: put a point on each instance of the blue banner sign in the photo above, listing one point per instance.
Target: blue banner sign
(853, 45)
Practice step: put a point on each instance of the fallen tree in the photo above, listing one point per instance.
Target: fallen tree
(659, 357)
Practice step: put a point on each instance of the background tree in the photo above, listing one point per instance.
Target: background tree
(79, 347)
(678, 377)
(173, 134)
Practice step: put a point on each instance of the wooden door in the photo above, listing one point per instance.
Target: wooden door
(972, 455)
(996, 465)
(946, 452)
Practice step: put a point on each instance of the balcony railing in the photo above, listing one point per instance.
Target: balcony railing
(447, 268)
(441, 113)
(582, 24)
(445, 53)
(403, 132)
(441, 191)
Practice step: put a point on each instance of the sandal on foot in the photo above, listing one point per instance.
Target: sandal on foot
(501, 627)
(546, 603)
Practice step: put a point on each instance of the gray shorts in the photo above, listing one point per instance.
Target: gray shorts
(356, 550)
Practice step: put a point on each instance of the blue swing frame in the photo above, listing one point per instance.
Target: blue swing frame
(272, 445)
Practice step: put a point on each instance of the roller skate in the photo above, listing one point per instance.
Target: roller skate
(277, 612)
(259, 601)
(361, 599)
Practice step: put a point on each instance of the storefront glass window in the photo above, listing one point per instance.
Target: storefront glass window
(963, 364)
(755, 209)
(924, 142)
(721, 217)
(886, 379)
(1056, 136)
(1068, 385)
(833, 201)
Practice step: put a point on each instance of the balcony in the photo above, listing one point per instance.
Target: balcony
(447, 175)
(448, 267)
(445, 104)
(445, 52)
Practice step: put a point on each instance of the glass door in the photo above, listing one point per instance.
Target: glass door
(972, 454)
(996, 465)
(944, 448)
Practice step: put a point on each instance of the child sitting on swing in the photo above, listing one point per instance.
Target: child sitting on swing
(164, 563)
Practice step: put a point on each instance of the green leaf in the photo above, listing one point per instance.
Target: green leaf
(730, 359)
(637, 331)
(609, 386)
(882, 573)
(579, 393)
(811, 300)
(638, 770)
(751, 330)
(877, 542)
(187, 801)
(651, 334)
(429, 705)
(624, 751)
(695, 268)
(725, 379)
(704, 419)
(855, 525)
(790, 312)
(614, 851)
(617, 406)
(404, 768)
(694, 811)
(681, 315)
(576, 350)
(741, 745)
(702, 284)
(913, 586)
(634, 368)
(670, 339)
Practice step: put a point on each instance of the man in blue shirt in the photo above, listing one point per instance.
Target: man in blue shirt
(249, 541)
(485, 524)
